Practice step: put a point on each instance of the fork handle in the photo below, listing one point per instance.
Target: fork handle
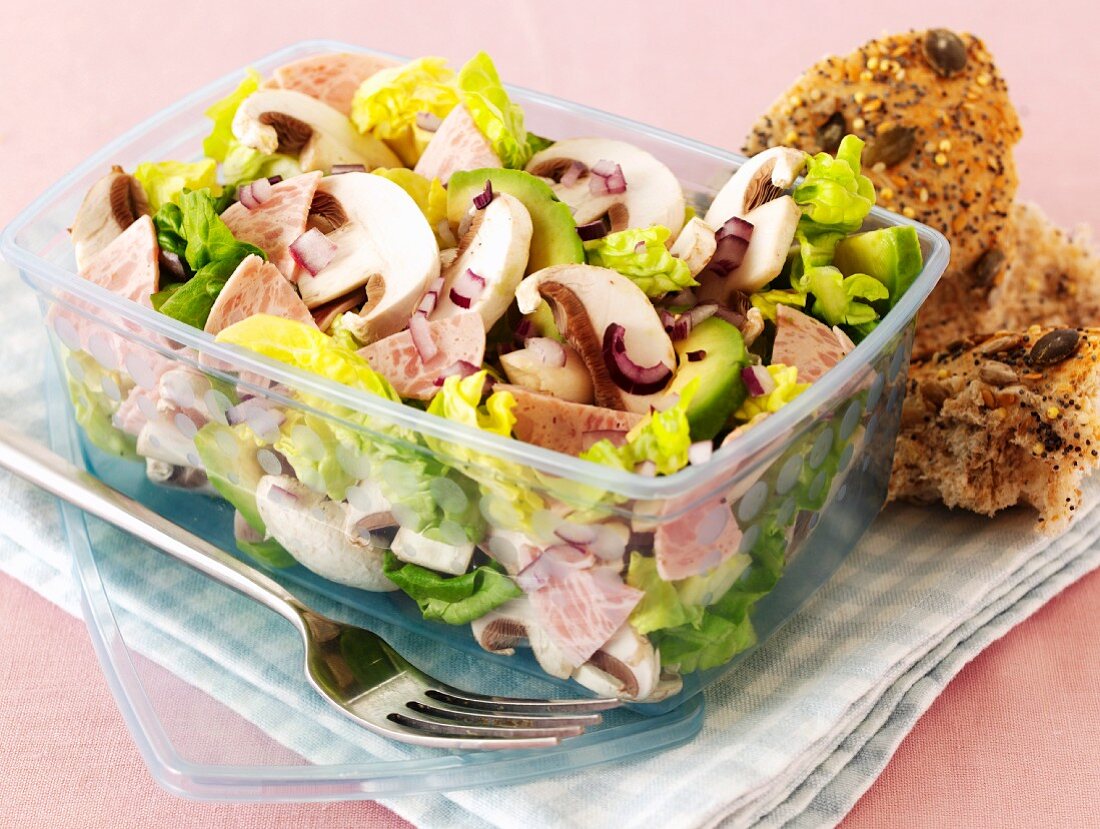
(35, 463)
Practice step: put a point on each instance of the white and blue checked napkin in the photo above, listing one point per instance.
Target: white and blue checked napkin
(793, 737)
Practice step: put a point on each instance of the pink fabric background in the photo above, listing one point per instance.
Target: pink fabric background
(1015, 740)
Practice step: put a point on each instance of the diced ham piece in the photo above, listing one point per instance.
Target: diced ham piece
(332, 78)
(560, 425)
(256, 287)
(697, 541)
(457, 145)
(580, 607)
(274, 225)
(461, 337)
(805, 343)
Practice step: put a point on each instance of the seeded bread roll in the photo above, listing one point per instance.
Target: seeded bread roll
(1003, 419)
(940, 129)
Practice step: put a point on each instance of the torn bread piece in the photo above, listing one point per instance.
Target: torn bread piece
(940, 129)
(1003, 419)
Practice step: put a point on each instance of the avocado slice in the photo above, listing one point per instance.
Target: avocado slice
(890, 254)
(554, 240)
(721, 389)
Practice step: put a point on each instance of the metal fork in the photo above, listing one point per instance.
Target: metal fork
(353, 668)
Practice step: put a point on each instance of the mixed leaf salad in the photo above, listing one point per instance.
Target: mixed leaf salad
(397, 229)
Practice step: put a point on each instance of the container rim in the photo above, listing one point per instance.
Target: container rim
(740, 452)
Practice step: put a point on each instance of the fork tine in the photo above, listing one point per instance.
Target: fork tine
(517, 705)
(457, 730)
(481, 717)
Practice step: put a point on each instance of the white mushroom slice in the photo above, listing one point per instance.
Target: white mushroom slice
(759, 180)
(695, 245)
(311, 528)
(536, 367)
(494, 249)
(437, 555)
(161, 439)
(653, 196)
(178, 477)
(383, 243)
(627, 666)
(281, 120)
(513, 624)
(110, 206)
(587, 301)
(773, 228)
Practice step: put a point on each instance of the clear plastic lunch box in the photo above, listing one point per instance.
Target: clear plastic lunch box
(801, 486)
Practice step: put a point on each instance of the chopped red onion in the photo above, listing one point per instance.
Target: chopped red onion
(729, 315)
(732, 240)
(607, 179)
(668, 319)
(340, 169)
(611, 541)
(261, 190)
(172, 264)
(550, 352)
(313, 250)
(596, 229)
(462, 368)
(422, 338)
(274, 179)
(639, 247)
(485, 197)
(467, 288)
(427, 121)
(245, 197)
(696, 356)
(524, 330)
(758, 381)
(700, 452)
(590, 438)
(625, 373)
(427, 304)
(646, 468)
(573, 172)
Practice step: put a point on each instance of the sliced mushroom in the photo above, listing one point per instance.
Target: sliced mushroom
(438, 555)
(494, 250)
(112, 205)
(178, 477)
(653, 196)
(514, 623)
(311, 528)
(384, 244)
(535, 367)
(280, 120)
(759, 180)
(627, 666)
(162, 440)
(587, 303)
(695, 245)
(773, 228)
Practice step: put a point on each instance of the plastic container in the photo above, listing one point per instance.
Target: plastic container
(782, 505)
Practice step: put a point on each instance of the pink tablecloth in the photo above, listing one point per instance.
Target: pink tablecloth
(1014, 740)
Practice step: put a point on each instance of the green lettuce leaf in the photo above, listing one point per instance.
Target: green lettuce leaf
(221, 140)
(652, 268)
(244, 164)
(662, 437)
(164, 181)
(493, 112)
(386, 104)
(723, 631)
(844, 300)
(766, 301)
(430, 196)
(269, 552)
(456, 600)
(94, 408)
(834, 196)
(661, 606)
(787, 388)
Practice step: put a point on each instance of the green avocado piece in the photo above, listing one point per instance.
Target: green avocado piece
(554, 240)
(228, 455)
(721, 389)
(890, 254)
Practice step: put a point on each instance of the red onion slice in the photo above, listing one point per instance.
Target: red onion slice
(591, 438)
(261, 190)
(607, 179)
(625, 373)
(550, 352)
(702, 312)
(596, 229)
(427, 121)
(700, 452)
(732, 317)
(485, 197)
(758, 381)
(245, 197)
(732, 240)
(427, 304)
(422, 338)
(274, 179)
(467, 288)
(340, 169)
(462, 368)
(313, 250)
(573, 173)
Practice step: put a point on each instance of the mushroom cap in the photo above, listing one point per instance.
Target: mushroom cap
(112, 204)
(282, 120)
(627, 666)
(586, 300)
(495, 248)
(515, 623)
(763, 177)
(311, 528)
(385, 243)
(653, 196)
